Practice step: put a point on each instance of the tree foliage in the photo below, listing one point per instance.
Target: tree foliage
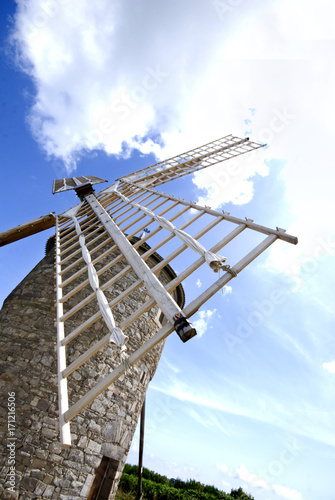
(158, 487)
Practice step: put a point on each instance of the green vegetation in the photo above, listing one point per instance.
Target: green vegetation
(157, 487)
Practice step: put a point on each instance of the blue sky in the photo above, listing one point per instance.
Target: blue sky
(109, 87)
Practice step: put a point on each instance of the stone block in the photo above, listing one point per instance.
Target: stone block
(36, 426)
(77, 485)
(48, 433)
(112, 451)
(97, 406)
(38, 463)
(48, 492)
(57, 459)
(27, 449)
(9, 495)
(48, 479)
(64, 483)
(92, 460)
(109, 431)
(43, 404)
(71, 464)
(87, 486)
(29, 483)
(70, 475)
(34, 401)
(40, 488)
(55, 447)
(94, 427)
(38, 474)
(94, 447)
(43, 454)
(76, 455)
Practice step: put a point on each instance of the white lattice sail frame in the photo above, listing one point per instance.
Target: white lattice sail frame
(128, 223)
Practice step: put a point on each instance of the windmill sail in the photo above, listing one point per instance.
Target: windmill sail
(114, 252)
(191, 161)
(117, 263)
(65, 184)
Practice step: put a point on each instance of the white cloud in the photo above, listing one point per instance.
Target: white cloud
(108, 73)
(112, 75)
(287, 493)
(227, 289)
(201, 323)
(170, 366)
(329, 367)
(198, 283)
(223, 468)
(208, 399)
(250, 478)
(228, 396)
(255, 481)
(210, 421)
(230, 181)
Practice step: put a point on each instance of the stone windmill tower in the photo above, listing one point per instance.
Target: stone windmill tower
(82, 335)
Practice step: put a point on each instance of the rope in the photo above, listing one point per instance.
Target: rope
(117, 336)
(232, 272)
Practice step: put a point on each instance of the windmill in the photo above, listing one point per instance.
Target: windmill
(98, 249)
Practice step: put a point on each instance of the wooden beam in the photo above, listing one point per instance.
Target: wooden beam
(153, 285)
(279, 232)
(27, 229)
(65, 434)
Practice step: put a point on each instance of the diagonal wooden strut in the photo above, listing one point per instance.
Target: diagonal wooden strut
(168, 305)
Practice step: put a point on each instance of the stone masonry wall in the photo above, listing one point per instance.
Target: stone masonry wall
(103, 432)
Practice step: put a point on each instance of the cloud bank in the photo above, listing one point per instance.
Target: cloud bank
(163, 78)
(111, 75)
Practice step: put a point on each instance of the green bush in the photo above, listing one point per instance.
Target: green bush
(157, 487)
(128, 483)
(240, 495)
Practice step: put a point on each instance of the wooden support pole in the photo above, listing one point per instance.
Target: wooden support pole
(139, 495)
(27, 229)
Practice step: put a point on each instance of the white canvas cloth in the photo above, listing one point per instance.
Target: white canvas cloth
(117, 336)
